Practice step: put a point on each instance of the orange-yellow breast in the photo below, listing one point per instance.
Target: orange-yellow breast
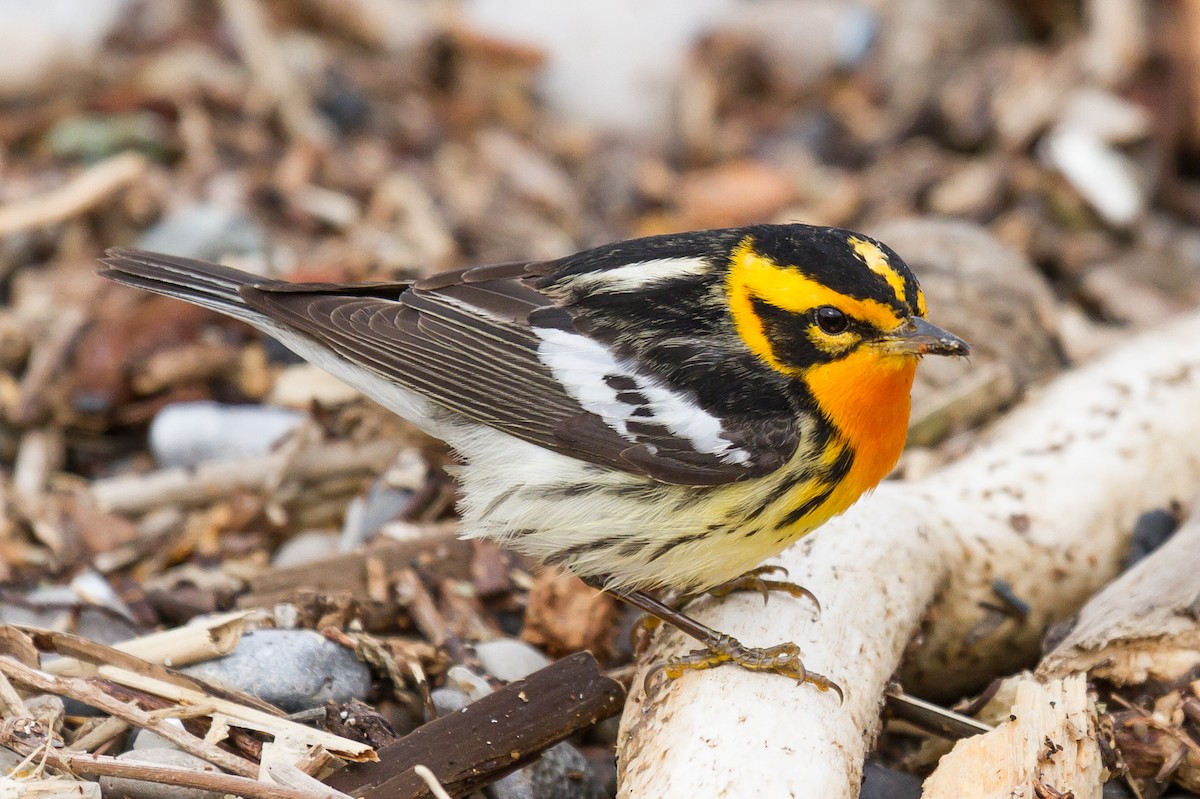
(866, 396)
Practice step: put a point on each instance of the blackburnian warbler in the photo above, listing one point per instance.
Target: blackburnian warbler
(665, 412)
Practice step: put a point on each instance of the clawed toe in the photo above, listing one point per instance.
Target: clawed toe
(753, 580)
(782, 659)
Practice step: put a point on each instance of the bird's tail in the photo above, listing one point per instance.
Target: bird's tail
(207, 284)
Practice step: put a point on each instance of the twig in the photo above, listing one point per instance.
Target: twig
(287, 775)
(260, 51)
(99, 735)
(88, 693)
(211, 481)
(12, 701)
(104, 766)
(435, 787)
(243, 711)
(42, 788)
(352, 572)
(415, 598)
(176, 648)
(77, 196)
(47, 357)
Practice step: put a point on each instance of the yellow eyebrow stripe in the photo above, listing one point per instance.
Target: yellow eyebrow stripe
(752, 275)
(878, 263)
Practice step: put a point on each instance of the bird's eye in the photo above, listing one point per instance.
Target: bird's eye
(831, 320)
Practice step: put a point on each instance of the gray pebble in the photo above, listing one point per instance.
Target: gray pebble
(208, 232)
(382, 504)
(101, 617)
(508, 659)
(560, 773)
(145, 739)
(116, 787)
(188, 434)
(8, 760)
(448, 701)
(292, 669)
(306, 548)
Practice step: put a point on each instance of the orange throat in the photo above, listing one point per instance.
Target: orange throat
(866, 396)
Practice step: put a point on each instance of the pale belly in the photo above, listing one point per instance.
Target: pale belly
(633, 532)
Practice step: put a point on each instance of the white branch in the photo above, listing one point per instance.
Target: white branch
(1046, 506)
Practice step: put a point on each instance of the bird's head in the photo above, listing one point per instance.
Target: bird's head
(837, 311)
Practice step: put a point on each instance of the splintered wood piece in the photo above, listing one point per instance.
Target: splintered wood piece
(215, 480)
(80, 194)
(182, 646)
(350, 572)
(492, 737)
(90, 694)
(1144, 625)
(11, 788)
(121, 669)
(1047, 748)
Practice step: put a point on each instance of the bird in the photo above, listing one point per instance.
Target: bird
(661, 414)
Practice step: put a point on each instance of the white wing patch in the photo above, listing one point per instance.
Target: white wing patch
(636, 276)
(586, 369)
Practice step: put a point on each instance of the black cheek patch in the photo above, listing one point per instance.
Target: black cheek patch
(788, 334)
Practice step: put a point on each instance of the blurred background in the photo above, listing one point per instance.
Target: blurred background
(1037, 162)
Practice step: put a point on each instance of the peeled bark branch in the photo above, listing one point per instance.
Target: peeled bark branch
(1039, 513)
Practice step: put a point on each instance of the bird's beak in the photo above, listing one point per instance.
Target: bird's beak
(919, 337)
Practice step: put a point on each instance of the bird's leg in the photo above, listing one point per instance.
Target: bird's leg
(752, 580)
(721, 648)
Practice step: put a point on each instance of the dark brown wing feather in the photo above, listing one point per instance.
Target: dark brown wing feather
(466, 341)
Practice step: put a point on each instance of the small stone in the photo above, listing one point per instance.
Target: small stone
(187, 434)
(9, 760)
(292, 669)
(146, 739)
(1104, 177)
(141, 789)
(508, 660)
(1113, 119)
(88, 607)
(447, 701)
(974, 190)
(207, 232)
(560, 773)
(306, 547)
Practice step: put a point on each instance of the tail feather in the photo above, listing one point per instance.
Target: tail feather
(206, 284)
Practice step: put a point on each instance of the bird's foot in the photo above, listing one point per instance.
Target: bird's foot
(754, 580)
(782, 659)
